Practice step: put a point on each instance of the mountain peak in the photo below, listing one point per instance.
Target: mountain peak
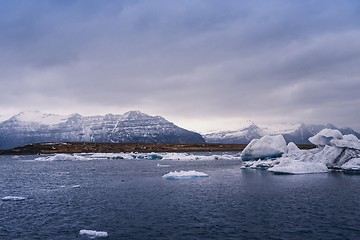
(134, 114)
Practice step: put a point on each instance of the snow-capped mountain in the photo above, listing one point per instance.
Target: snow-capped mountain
(293, 132)
(131, 127)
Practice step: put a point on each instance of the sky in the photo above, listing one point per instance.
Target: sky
(202, 64)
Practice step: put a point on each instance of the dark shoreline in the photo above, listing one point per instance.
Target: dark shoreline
(81, 147)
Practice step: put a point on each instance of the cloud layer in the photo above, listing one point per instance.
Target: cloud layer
(199, 61)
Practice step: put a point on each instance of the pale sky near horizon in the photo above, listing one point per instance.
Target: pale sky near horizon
(202, 64)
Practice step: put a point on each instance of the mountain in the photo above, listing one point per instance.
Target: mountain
(295, 132)
(242, 136)
(131, 127)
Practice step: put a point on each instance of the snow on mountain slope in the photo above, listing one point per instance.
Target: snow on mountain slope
(38, 117)
(292, 132)
(131, 127)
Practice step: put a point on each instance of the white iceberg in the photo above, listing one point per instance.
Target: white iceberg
(290, 166)
(184, 175)
(162, 165)
(292, 147)
(325, 136)
(352, 164)
(334, 151)
(265, 147)
(259, 164)
(348, 141)
(13, 198)
(93, 233)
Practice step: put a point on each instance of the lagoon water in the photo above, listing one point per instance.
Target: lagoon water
(129, 199)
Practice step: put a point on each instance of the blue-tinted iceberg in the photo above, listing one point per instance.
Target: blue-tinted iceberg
(184, 175)
(265, 147)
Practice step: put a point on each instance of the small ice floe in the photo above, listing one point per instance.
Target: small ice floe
(259, 164)
(162, 165)
(13, 198)
(184, 175)
(94, 234)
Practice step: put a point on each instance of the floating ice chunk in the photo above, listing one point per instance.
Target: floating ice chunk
(290, 166)
(13, 198)
(265, 147)
(259, 164)
(325, 136)
(162, 165)
(352, 164)
(61, 157)
(348, 141)
(184, 175)
(292, 147)
(93, 233)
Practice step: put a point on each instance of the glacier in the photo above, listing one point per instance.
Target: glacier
(334, 151)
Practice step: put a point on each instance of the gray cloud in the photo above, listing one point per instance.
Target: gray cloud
(201, 60)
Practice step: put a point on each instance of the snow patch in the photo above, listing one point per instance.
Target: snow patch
(42, 118)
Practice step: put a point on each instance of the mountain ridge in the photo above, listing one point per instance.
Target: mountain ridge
(295, 132)
(131, 127)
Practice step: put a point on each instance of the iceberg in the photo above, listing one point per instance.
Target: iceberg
(325, 136)
(13, 198)
(184, 175)
(290, 166)
(353, 164)
(93, 233)
(348, 141)
(265, 147)
(334, 151)
(61, 157)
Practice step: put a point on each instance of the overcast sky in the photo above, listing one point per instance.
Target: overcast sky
(203, 64)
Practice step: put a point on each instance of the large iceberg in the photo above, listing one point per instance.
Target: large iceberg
(334, 151)
(265, 147)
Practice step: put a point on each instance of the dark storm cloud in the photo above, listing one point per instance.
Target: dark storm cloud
(261, 60)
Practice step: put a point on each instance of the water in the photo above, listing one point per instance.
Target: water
(130, 200)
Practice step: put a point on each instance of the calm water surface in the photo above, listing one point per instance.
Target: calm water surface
(130, 200)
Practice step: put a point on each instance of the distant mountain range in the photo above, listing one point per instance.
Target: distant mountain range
(297, 133)
(131, 127)
(136, 127)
